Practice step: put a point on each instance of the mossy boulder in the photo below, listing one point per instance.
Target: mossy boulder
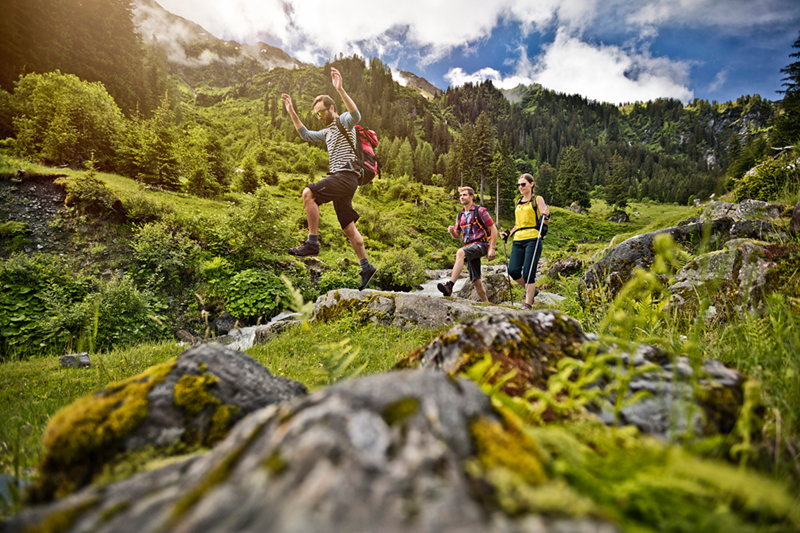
(719, 223)
(496, 287)
(530, 344)
(663, 392)
(736, 275)
(606, 277)
(169, 409)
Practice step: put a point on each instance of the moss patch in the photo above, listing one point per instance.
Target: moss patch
(398, 411)
(221, 423)
(191, 393)
(86, 433)
(497, 447)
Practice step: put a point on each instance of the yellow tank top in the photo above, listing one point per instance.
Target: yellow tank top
(525, 217)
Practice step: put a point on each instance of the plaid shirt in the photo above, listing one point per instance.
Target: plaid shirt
(469, 227)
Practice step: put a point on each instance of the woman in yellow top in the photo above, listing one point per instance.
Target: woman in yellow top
(523, 261)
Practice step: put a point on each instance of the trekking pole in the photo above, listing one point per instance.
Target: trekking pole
(508, 278)
(536, 249)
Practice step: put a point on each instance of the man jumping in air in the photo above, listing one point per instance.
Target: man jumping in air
(338, 187)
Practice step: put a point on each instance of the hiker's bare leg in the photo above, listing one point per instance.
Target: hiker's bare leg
(480, 290)
(530, 292)
(355, 238)
(458, 267)
(519, 282)
(312, 211)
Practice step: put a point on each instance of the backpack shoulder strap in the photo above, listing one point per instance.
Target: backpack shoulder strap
(344, 133)
(476, 216)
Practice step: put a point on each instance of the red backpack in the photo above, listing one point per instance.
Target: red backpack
(365, 163)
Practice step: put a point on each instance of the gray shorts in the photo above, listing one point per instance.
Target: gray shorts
(472, 256)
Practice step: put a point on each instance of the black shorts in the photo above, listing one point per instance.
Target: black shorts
(338, 188)
(472, 256)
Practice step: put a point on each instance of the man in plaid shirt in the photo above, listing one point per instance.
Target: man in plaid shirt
(479, 236)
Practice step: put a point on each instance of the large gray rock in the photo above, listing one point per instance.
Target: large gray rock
(76, 360)
(168, 409)
(745, 210)
(678, 400)
(401, 310)
(384, 453)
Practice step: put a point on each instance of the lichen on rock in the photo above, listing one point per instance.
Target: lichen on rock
(170, 409)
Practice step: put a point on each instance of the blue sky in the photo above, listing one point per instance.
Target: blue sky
(607, 50)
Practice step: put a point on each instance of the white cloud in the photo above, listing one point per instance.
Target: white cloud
(422, 33)
(719, 80)
(599, 72)
(322, 28)
(723, 13)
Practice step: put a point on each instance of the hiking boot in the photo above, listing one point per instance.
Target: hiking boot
(304, 250)
(445, 288)
(366, 277)
(526, 306)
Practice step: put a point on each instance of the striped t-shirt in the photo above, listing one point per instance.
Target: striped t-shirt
(339, 152)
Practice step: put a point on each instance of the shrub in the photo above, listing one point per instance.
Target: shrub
(293, 183)
(89, 195)
(768, 180)
(247, 180)
(253, 293)
(139, 209)
(400, 270)
(304, 165)
(268, 175)
(13, 236)
(338, 279)
(164, 254)
(215, 272)
(260, 227)
(28, 285)
(116, 314)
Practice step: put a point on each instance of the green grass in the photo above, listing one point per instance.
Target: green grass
(31, 391)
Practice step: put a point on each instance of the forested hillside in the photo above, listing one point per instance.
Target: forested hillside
(219, 101)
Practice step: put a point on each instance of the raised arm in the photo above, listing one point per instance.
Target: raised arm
(336, 79)
(287, 102)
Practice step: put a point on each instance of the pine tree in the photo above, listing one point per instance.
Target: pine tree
(424, 162)
(405, 160)
(465, 150)
(571, 181)
(546, 184)
(616, 183)
(248, 181)
(787, 124)
(483, 138)
(504, 172)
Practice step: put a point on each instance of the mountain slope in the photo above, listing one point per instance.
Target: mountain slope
(198, 56)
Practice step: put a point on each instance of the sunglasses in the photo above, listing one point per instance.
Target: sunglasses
(320, 113)
(523, 184)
